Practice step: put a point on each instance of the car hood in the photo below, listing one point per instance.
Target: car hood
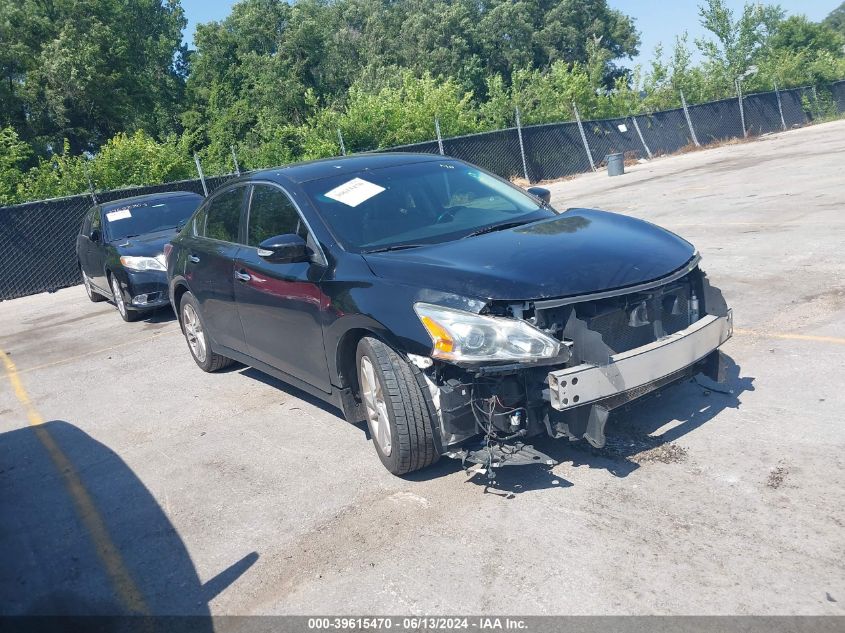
(579, 252)
(149, 244)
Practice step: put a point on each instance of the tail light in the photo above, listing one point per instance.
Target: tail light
(167, 248)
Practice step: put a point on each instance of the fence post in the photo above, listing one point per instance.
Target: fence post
(584, 137)
(90, 184)
(741, 107)
(521, 146)
(780, 108)
(235, 160)
(202, 176)
(640, 134)
(816, 101)
(689, 120)
(342, 146)
(439, 136)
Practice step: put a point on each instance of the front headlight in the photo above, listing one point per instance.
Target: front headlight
(141, 264)
(466, 337)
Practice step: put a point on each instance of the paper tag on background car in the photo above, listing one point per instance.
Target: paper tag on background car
(354, 192)
(120, 214)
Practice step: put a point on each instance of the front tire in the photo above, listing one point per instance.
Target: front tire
(398, 415)
(125, 313)
(197, 337)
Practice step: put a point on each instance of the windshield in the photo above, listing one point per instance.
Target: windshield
(150, 216)
(416, 204)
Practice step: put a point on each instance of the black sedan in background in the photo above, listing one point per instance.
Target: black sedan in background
(120, 249)
(455, 313)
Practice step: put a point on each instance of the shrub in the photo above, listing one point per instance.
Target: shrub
(13, 154)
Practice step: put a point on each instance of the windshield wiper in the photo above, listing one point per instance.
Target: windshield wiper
(497, 227)
(395, 247)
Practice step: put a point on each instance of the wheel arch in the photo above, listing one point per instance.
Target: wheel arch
(179, 290)
(347, 348)
(109, 273)
(343, 370)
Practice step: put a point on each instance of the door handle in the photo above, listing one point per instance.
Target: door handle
(242, 276)
(194, 259)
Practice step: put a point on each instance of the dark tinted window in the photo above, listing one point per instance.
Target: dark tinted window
(86, 222)
(224, 215)
(418, 203)
(199, 222)
(138, 218)
(271, 213)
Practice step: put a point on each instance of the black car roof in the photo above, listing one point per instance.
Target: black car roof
(149, 197)
(325, 167)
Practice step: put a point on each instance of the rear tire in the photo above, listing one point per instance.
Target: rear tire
(93, 295)
(196, 336)
(398, 415)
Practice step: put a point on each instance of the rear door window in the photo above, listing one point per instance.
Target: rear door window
(271, 213)
(224, 216)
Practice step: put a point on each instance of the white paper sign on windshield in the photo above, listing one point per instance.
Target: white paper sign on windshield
(354, 192)
(120, 214)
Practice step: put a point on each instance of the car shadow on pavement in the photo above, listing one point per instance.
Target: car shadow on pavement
(630, 439)
(630, 434)
(293, 392)
(81, 535)
(161, 315)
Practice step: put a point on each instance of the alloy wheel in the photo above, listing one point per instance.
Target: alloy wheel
(118, 297)
(87, 283)
(194, 332)
(373, 397)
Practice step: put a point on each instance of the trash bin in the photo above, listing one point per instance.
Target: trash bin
(615, 164)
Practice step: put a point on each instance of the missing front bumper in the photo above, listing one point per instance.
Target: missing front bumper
(638, 368)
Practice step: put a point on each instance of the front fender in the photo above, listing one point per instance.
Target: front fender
(350, 311)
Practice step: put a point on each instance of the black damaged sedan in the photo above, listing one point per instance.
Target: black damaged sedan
(453, 312)
(120, 249)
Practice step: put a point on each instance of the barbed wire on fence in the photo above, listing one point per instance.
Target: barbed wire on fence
(38, 239)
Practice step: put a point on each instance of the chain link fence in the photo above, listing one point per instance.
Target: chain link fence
(38, 239)
(558, 150)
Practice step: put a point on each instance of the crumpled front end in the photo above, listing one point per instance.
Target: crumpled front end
(615, 348)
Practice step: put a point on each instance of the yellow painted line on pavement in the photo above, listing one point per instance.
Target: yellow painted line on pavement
(793, 337)
(125, 588)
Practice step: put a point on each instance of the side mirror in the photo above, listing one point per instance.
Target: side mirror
(284, 249)
(94, 235)
(541, 192)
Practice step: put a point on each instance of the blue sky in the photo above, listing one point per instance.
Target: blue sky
(657, 20)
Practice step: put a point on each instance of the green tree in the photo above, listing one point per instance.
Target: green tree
(401, 111)
(736, 43)
(87, 70)
(797, 34)
(568, 25)
(13, 155)
(836, 19)
(63, 174)
(137, 159)
(271, 65)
